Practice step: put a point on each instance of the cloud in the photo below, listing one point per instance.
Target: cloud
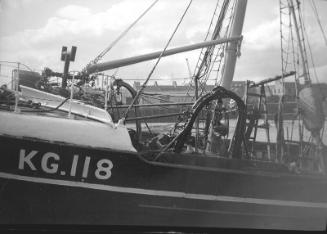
(78, 20)
(9, 4)
(79, 25)
(92, 29)
(13, 4)
(70, 24)
(321, 72)
(74, 12)
(264, 36)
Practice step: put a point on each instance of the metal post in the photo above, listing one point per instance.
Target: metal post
(12, 80)
(106, 94)
(188, 67)
(102, 83)
(71, 96)
(84, 90)
(195, 79)
(66, 69)
(16, 89)
(196, 94)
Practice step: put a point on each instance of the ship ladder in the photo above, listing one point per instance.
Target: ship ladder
(257, 112)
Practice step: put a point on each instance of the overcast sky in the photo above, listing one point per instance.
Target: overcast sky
(33, 32)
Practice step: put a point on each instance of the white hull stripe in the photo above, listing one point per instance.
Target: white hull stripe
(162, 193)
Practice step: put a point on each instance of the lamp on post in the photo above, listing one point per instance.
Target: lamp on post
(67, 57)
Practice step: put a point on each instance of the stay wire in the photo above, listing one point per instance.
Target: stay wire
(314, 8)
(119, 37)
(156, 64)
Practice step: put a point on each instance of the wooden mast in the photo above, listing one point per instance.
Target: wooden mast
(230, 59)
(232, 49)
(310, 104)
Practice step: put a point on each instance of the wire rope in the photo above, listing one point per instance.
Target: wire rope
(100, 56)
(157, 62)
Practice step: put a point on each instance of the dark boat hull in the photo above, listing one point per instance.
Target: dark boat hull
(182, 193)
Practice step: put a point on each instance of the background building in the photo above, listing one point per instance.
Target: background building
(179, 93)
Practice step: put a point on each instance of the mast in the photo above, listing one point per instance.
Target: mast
(301, 46)
(232, 48)
(309, 100)
(230, 61)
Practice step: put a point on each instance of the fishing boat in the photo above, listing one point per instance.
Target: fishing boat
(67, 162)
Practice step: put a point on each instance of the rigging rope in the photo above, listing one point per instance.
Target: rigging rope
(202, 53)
(157, 62)
(311, 57)
(302, 41)
(118, 38)
(198, 66)
(314, 8)
(218, 51)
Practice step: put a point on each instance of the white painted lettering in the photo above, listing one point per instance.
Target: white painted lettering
(74, 165)
(23, 158)
(44, 163)
(106, 170)
(86, 167)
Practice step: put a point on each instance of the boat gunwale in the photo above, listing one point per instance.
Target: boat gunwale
(271, 174)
